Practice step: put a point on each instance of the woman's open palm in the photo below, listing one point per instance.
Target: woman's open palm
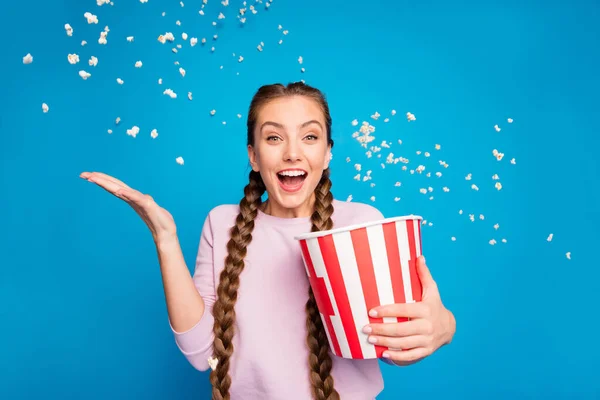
(159, 220)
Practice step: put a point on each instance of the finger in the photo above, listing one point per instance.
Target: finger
(407, 355)
(398, 329)
(409, 310)
(109, 186)
(400, 343)
(109, 178)
(424, 273)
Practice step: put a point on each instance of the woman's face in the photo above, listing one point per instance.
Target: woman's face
(290, 138)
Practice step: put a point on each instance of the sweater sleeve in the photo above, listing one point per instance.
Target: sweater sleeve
(196, 343)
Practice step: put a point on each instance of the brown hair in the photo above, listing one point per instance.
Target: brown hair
(319, 360)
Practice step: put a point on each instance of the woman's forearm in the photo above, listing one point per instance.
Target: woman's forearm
(184, 304)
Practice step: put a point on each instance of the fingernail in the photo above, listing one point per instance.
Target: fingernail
(367, 329)
(386, 354)
(372, 339)
(373, 313)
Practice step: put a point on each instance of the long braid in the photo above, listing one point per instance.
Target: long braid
(229, 282)
(319, 359)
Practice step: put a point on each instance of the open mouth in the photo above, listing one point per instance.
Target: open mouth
(291, 181)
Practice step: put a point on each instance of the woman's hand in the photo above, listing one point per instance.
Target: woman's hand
(431, 325)
(159, 220)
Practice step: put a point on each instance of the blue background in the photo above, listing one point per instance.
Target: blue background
(82, 306)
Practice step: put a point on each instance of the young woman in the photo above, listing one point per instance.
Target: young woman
(248, 308)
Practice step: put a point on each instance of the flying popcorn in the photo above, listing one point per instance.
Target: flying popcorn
(93, 61)
(468, 177)
(393, 112)
(138, 64)
(493, 242)
(372, 198)
(497, 154)
(498, 185)
(69, 30)
(143, 1)
(510, 120)
(513, 161)
(481, 217)
(213, 363)
(179, 161)
(300, 60)
(495, 177)
(160, 81)
(28, 59)
(45, 108)
(240, 59)
(193, 41)
(239, 115)
(550, 237)
(118, 120)
(91, 18)
(154, 134)
(170, 93)
(302, 70)
(84, 75)
(503, 240)
(130, 39)
(354, 122)
(453, 239)
(184, 36)
(182, 72)
(221, 16)
(376, 116)
(474, 187)
(102, 39)
(190, 96)
(166, 37)
(110, 131)
(101, 2)
(83, 42)
(213, 112)
(133, 131)
(119, 81)
(437, 147)
(497, 128)
(73, 58)
(410, 117)
(568, 255)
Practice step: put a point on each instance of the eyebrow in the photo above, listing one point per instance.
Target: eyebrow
(303, 125)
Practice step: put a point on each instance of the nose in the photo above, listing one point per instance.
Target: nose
(293, 151)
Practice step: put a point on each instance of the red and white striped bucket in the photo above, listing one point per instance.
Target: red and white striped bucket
(359, 267)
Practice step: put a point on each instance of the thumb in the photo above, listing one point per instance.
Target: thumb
(424, 275)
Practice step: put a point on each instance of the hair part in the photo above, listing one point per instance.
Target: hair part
(319, 359)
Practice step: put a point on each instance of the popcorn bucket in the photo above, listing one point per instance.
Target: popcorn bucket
(356, 268)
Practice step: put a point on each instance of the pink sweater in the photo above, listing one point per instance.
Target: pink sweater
(270, 352)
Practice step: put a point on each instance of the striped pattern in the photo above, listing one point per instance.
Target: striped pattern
(354, 271)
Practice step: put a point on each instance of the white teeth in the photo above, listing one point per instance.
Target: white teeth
(292, 173)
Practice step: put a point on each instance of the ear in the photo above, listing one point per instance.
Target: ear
(328, 156)
(252, 157)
